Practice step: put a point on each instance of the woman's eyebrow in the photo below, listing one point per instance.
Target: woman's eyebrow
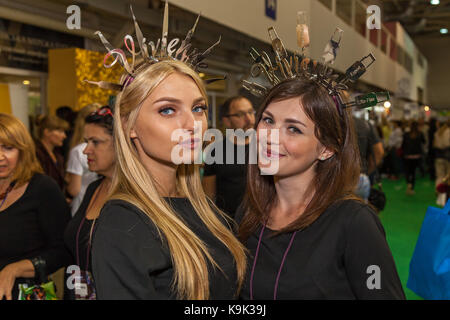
(168, 99)
(288, 120)
(177, 101)
(294, 121)
(198, 100)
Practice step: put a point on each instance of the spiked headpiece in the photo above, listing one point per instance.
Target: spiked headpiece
(298, 65)
(152, 53)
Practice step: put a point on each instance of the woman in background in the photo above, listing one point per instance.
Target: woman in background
(51, 134)
(78, 175)
(442, 157)
(33, 213)
(412, 147)
(101, 158)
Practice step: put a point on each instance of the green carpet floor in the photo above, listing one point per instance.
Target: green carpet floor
(402, 219)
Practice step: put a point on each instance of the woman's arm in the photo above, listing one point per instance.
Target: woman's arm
(73, 184)
(369, 264)
(75, 171)
(53, 217)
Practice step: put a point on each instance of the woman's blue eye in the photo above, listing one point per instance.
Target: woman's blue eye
(167, 111)
(200, 108)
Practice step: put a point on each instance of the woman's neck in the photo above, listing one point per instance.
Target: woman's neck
(107, 181)
(293, 195)
(47, 145)
(164, 175)
(4, 184)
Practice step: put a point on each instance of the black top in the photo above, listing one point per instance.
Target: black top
(72, 228)
(130, 261)
(56, 170)
(331, 259)
(412, 145)
(34, 226)
(367, 138)
(230, 178)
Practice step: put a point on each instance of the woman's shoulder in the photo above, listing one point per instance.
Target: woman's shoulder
(42, 181)
(356, 215)
(350, 209)
(121, 215)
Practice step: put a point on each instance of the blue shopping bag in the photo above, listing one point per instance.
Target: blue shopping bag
(429, 269)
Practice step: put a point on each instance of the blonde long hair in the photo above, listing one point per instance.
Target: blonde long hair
(132, 183)
(14, 133)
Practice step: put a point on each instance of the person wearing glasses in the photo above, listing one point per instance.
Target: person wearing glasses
(224, 181)
(101, 159)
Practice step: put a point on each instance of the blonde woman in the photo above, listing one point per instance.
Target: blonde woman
(159, 237)
(51, 135)
(78, 176)
(33, 213)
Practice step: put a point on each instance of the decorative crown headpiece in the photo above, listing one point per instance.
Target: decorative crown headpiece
(298, 65)
(152, 53)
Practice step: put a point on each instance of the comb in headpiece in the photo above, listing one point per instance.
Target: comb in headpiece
(298, 65)
(152, 53)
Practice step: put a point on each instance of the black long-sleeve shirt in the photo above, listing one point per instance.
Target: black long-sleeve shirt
(70, 234)
(339, 256)
(130, 262)
(34, 226)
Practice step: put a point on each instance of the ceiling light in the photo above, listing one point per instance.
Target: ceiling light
(444, 31)
(426, 108)
(26, 82)
(387, 104)
(434, 2)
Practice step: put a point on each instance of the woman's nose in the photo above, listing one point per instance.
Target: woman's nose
(86, 149)
(189, 122)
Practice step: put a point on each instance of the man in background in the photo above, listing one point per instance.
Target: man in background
(371, 152)
(224, 182)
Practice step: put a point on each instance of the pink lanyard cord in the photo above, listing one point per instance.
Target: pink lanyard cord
(281, 266)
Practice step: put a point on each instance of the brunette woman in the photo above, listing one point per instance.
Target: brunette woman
(309, 236)
(101, 159)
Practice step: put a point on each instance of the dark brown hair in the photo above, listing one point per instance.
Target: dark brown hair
(335, 178)
(224, 109)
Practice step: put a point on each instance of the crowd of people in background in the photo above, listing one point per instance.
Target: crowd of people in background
(416, 146)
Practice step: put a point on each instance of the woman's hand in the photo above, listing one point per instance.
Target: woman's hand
(7, 278)
(8, 275)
